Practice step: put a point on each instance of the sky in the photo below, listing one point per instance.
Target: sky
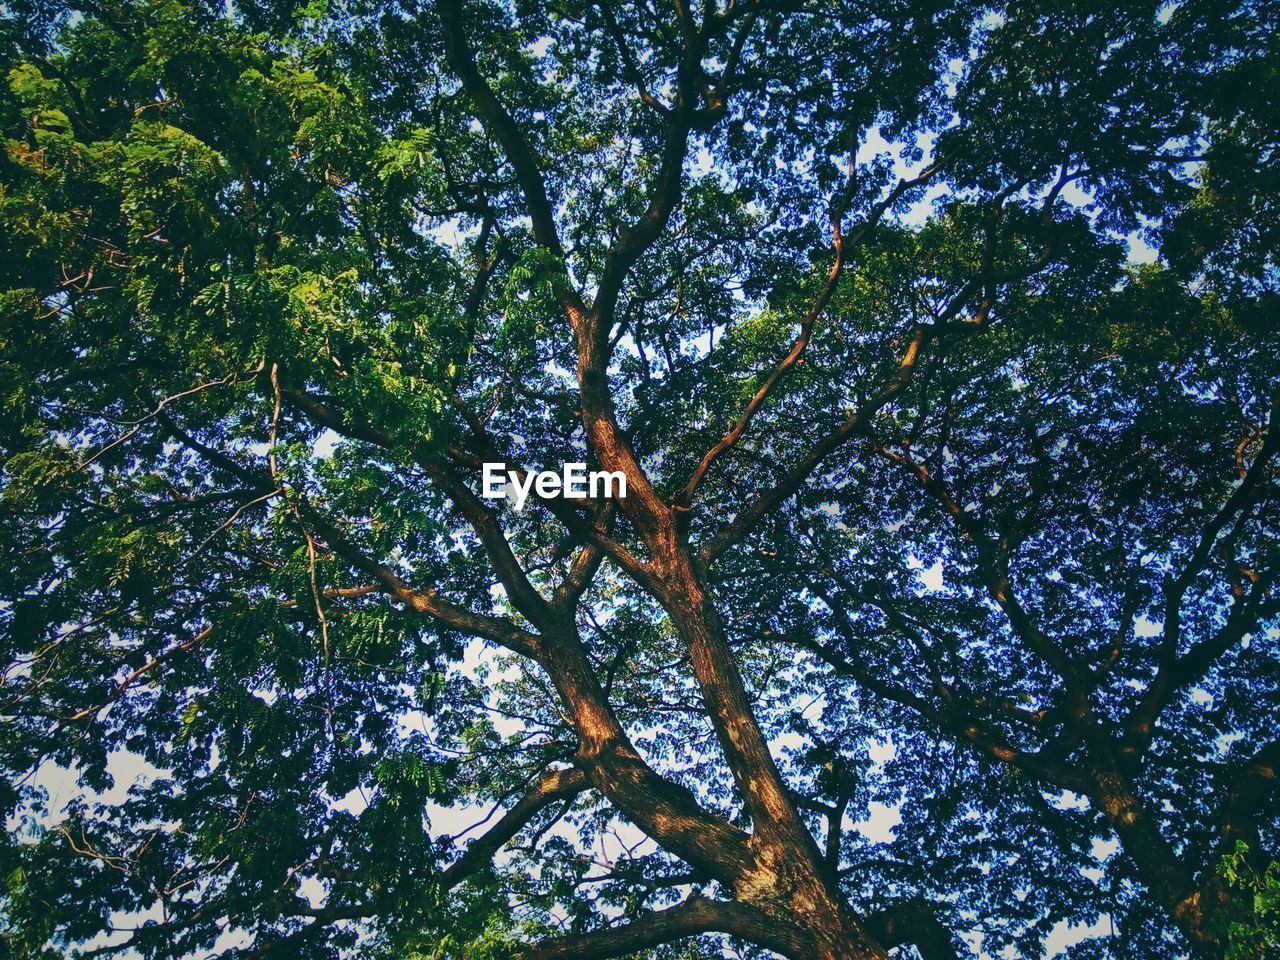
(465, 821)
(876, 824)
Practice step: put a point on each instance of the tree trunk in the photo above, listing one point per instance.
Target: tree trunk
(787, 877)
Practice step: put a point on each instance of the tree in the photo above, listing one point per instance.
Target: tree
(842, 290)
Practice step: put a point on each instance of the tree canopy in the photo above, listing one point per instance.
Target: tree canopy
(937, 342)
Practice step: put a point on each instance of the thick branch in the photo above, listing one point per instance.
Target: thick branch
(553, 785)
(694, 916)
(916, 923)
(1250, 788)
(462, 59)
(668, 812)
(429, 601)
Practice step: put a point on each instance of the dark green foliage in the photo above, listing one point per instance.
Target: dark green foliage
(210, 214)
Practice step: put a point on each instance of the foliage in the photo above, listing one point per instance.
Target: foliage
(939, 344)
(1257, 929)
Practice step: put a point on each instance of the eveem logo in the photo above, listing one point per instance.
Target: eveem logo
(573, 482)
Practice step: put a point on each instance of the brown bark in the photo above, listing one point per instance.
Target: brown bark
(1168, 879)
(788, 876)
(776, 872)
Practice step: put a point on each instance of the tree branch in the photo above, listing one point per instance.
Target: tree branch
(553, 785)
(462, 60)
(854, 424)
(694, 916)
(685, 497)
(915, 923)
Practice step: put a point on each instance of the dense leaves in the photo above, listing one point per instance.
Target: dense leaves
(938, 342)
